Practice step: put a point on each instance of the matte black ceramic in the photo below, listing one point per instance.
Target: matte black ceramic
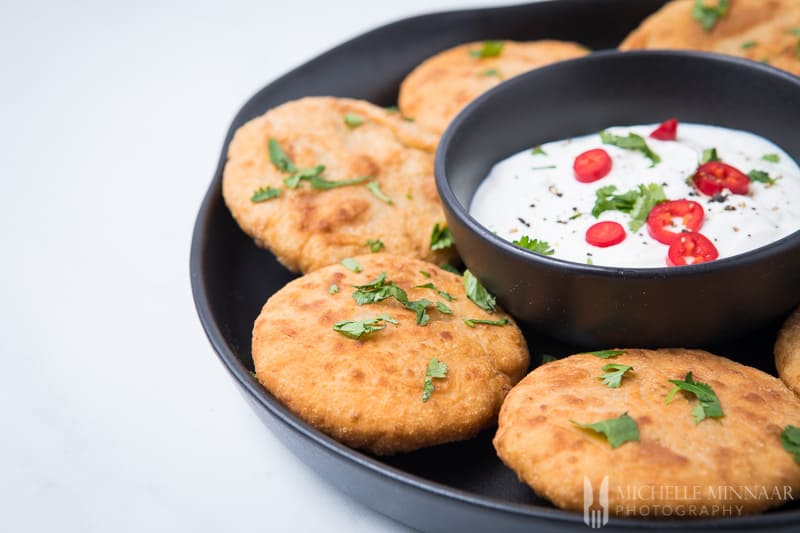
(454, 487)
(600, 306)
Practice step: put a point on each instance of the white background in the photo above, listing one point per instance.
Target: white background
(116, 414)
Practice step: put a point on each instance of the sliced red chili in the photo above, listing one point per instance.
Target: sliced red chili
(592, 165)
(662, 217)
(691, 248)
(605, 234)
(712, 177)
(666, 131)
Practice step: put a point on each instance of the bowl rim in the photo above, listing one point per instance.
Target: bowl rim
(456, 129)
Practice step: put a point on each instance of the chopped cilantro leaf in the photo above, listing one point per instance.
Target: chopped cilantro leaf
(616, 430)
(489, 72)
(772, 158)
(264, 194)
(442, 308)
(709, 15)
(538, 150)
(441, 237)
(631, 142)
(333, 289)
(472, 321)
(355, 329)
(534, 245)
(425, 273)
(651, 195)
(637, 202)
(547, 358)
(318, 182)
(709, 154)
(443, 294)
(279, 158)
(392, 109)
(478, 293)
(353, 120)
(375, 246)
(606, 354)
(790, 439)
(761, 177)
(748, 44)
(489, 49)
(352, 264)
(375, 188)
(436, 369)
(613, 373)
(708, 403)
(379, 289)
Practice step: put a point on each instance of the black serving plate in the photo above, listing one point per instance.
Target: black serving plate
(454, 487)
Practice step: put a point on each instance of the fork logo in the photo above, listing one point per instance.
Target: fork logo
(595, 518)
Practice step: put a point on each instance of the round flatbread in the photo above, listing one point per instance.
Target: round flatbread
(787, 352)
(367, 392)
(318, 223)
(441, 86)
(727, 466)
(762, 30)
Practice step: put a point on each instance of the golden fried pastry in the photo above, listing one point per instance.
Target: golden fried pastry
(787, 352)
(365, 374)
(689, 455)
(763, 30)
(315, 180)
(444, 84)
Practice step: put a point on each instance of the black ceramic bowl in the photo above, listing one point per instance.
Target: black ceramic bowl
(602, 306)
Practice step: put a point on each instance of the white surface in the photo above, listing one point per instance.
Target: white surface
(116, 414)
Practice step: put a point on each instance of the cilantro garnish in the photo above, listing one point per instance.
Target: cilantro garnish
(443, 308)
(279, 158)
(489, 49)
(478, 293)
(375, 246)
(441, 237)
(616, 430)
(436, 369)
(637, 202)
(351, 264)
(538, 150)
(489, 72)
(379, 289)
(450, 268)
(790, 439)
(314, 176)
(375, 188)
(772, 158)
(333, 289)
(355, 329)
(613, 373)
(708, 16)
(709, 154)
(606, 354)
(353, 120)
(264, 194)
(534, 245)
(425, 273)
(761, 177)
(472, 321)
(631, 142)
(545, 167)
(796, 32)
(748, 44)
(443, 294)
(392, 109)
(708, 405)
(547, 358)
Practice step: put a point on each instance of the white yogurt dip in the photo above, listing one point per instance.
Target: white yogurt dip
(536, 194)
